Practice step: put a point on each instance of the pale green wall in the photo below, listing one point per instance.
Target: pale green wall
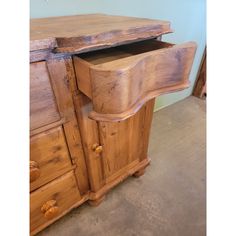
(188, 18)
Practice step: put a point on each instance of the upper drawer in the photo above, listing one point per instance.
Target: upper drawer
(49, 157)
(120, 80)
(43, 107)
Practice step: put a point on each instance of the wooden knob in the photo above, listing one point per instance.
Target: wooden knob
(51, 213)
(97, 148)
(50, 209)
(34, 171)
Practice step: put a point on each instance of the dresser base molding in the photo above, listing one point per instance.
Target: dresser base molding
(139, 173)
(96, 202)
(93, 196)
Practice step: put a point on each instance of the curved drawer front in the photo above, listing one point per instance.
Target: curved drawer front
(123, 81)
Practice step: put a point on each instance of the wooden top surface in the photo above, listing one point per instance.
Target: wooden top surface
(82, 33)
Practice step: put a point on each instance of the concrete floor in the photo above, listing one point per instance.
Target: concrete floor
(169, 200)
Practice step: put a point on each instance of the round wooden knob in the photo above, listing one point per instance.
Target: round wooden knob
(51, 213)
(97, 148)
(50, 209)
(34, 171)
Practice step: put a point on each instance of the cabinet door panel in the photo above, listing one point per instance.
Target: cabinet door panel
(125, 142)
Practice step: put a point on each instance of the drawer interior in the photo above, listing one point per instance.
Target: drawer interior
(112, 54)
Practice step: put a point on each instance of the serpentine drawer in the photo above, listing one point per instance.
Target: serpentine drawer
(120, 80)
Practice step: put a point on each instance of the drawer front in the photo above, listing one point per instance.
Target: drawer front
(122, 79)
(52, 200)
(43, 107)
(49, 157)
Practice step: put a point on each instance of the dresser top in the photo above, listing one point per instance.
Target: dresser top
(82, 33)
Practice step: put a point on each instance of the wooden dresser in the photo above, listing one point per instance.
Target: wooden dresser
(93, 82)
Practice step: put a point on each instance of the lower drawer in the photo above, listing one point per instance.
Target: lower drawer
(52, 200)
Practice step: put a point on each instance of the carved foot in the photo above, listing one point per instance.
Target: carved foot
(96, 202)
(139, 173)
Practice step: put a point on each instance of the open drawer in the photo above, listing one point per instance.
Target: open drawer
(120, 80)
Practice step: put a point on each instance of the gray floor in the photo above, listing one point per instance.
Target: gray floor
(169, 200)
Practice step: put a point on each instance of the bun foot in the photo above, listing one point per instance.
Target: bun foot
(139, 173)
(96, 202)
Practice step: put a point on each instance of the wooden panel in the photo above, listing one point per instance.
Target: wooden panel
(126, 141)
(119, 177)
(89, 135)
(77, 155)
(153, 68)
(40, 55)
(83, 76)
(43, 108)
(149, 107)
(49, 151)
(86, 32)
(60, 73)
(63, 191)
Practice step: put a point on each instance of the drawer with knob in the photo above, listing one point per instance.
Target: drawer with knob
(52, 200)
(49, 157)
(120, 80)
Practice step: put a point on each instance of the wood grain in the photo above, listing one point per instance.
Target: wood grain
(92, 31)
(135, 79)
(91, 131)
(127, 171)
(126, 139)
(49, 151)
(83, 199)
(60, 77)
(43, 107)
(72, 135)
(63, 190)
(129, 142)
(90, 136)
(124, 146)
(56, 144)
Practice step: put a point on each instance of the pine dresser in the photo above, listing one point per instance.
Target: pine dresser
(93, 82)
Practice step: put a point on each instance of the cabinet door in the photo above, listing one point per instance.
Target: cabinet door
(125, 143)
